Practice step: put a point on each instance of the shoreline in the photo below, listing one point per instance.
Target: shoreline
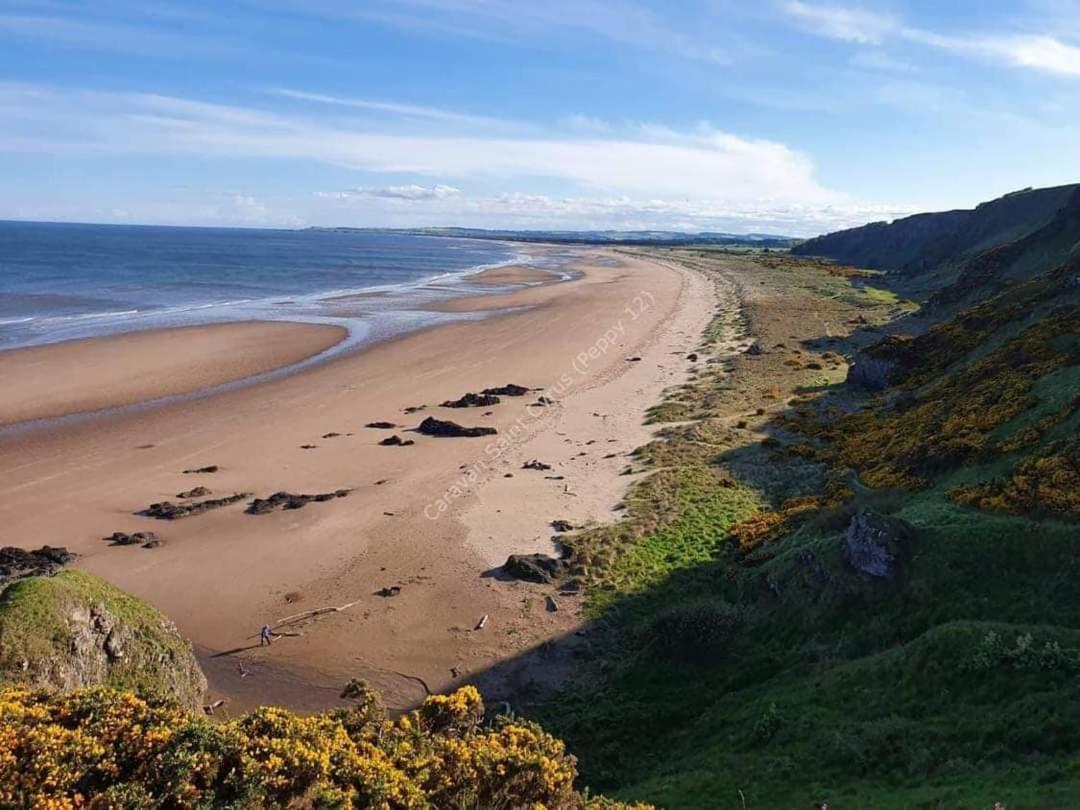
(268, 349)
(88, 376)
(222, 574)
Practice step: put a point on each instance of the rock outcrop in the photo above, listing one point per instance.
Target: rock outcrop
(877, 545)
(74, 630)
(45, 561)
(167, 510)
(871, 373)
(508, 390)
(439, 427)
(473, 400)
(289, 500)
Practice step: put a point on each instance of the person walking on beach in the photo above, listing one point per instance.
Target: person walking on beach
(265, 636)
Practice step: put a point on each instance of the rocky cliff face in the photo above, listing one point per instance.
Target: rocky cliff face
(924, 242)
(73, 630)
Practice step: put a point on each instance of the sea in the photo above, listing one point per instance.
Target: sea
(61, 281)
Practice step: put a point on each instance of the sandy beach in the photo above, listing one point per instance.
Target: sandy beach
(435, 518)
(107, 372)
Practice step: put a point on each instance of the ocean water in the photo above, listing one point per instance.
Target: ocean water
(68, 281)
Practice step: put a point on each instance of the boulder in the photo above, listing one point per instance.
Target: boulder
(540, 568)
(562, 525)
(870, 373)
(396, 441)
(381, 425)
(877, 545)
(754, 349)
(440, 427)
(535, 464)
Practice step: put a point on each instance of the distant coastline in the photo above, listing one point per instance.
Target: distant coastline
(639, 238)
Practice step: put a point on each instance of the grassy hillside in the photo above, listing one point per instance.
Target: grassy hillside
(746, 657)
(72, 630)
(1013, 237)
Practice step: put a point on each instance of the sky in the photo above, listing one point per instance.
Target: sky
(777, 116)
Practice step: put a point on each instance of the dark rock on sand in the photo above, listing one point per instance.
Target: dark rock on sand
(540, 568)
(212, 468)
(167, 510)
(413, 408)
(439, 427)
(389, 590)
(877, 545)
(692, 357)
(562, 525)
(289, 500)
(197, 492)
(754, 349)
(535, 464)
(16, 563)
(330, 435)
(381, 425)
(396, 441)
(135, 539)
(471, 400)
(508, 390)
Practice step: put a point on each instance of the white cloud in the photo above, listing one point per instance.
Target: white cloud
(1033, 51)
(619, 21)
(407, 110)
(544, 211)
(705, 163)
(1039, 52)
(410, 192)
(839, 22)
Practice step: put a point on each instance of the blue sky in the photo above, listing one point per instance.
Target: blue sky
(783, 116)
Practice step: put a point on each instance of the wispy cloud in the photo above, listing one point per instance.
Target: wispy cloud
(839, 22)
(703, 163)
(393, 108)
(100, 35)
(619, 21)
(1041, 52)
(411, 192)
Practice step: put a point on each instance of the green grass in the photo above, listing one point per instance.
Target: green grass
(41, 616)
(954, 686)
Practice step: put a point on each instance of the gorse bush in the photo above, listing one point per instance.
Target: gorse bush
(102, 748)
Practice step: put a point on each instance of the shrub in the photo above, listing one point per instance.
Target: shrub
(110, 749)
(699, 632)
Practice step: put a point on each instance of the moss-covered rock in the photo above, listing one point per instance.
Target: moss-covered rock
(74, 630)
